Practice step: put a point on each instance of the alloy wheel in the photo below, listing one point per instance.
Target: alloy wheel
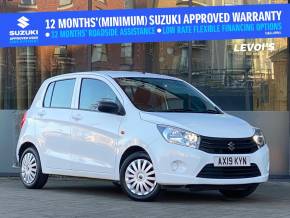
(140, 177)
(28, 168)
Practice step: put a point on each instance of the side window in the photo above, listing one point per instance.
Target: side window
(94, 91)
(62, 94)
(48, 94)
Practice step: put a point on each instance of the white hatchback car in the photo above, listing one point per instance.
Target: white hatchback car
(145, 131)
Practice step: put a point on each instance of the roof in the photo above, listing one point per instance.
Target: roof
(117, 74)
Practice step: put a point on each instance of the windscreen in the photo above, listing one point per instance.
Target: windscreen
(165, 95)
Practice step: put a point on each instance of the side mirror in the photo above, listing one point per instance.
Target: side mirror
(110, 107)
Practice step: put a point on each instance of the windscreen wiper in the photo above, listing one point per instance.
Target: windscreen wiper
(182, 110)
(210, 111)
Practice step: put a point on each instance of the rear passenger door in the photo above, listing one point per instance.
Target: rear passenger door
(95, 133)
(54, 125)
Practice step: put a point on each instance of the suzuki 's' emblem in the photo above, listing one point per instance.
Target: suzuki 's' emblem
(23, 22)
(231, 146)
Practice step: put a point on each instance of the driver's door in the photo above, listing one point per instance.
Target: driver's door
(95, 134)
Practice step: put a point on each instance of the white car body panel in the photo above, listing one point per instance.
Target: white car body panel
(92, 145)
(211, 125)
(94, 138)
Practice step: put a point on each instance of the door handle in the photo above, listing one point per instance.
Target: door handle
(41, 113)
(77, 117)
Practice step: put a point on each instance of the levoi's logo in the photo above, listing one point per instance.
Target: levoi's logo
(23, 22)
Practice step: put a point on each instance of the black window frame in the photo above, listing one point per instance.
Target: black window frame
(43, 101)
(28, 3)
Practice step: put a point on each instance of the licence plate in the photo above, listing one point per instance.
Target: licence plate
(232, 161)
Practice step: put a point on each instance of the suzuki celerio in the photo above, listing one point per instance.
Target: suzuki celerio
(144, 131)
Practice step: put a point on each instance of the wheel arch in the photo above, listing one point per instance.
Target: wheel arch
(130, 150)
(23, 147)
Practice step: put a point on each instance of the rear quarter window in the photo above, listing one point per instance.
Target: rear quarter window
(62, 93)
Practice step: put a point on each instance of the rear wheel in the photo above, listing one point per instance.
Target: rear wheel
(240, 191)
(137, 177)
(31, 173)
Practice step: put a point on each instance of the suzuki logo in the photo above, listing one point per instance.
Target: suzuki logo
(23, 22)
(231, 146)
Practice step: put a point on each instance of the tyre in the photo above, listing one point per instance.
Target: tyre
(239, 192)
(31, 173)
(137, 177)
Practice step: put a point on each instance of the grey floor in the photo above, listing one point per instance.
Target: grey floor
(68, 197)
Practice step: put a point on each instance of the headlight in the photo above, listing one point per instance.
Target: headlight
(179, 136)
(259, 138)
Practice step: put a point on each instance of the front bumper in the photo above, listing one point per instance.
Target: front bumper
(179, 165)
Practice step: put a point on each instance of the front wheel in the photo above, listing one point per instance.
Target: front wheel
(31, 173)
(239, 192)
(138, 179)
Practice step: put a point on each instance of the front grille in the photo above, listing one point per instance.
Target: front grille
(227, 146)
(212, 172)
